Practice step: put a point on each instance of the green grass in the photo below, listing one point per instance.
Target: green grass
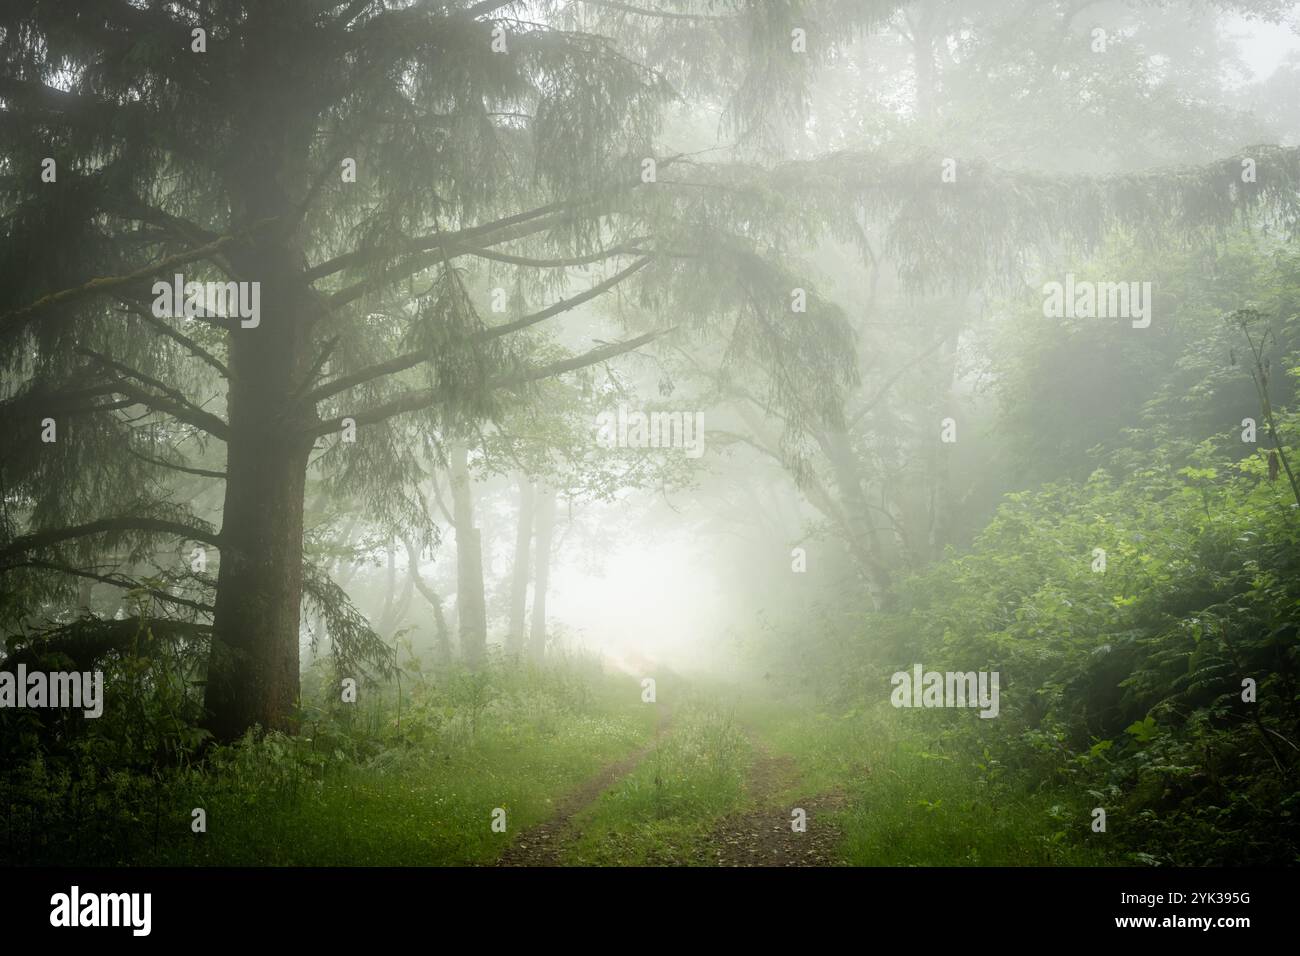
(362, 789)
(913, 800)
(434, 805)
(662, 811)
(360, 786)
(422, 810)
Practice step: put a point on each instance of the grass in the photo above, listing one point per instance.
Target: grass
(363, 791)
(661, 812)
(913, 800)
(423, 810)
(361, 786)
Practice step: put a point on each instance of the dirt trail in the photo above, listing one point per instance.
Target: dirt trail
(760, 836)
(763, 836)
(544, 843)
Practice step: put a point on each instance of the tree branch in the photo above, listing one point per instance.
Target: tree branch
(125, 583)
(401, 363)
(893, 380)
(594, 357)
(174, 403)
(43, 539)
(427, 397)
(659, 14)
(201, 472)
(163, 328)
(103, 284)
(564, 305)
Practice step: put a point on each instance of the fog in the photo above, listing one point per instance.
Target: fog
(679, 432)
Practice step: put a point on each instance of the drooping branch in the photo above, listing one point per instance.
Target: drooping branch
(594, 357)
(87, 640)
(564, 305)
(127, 584)
(473, 239)
(368, 374)
(180, 338)
(427, 397)
(438, 252)
(47, 99)
(657, 14)
(408, 360)
(631, 247)
(182, 412)
(172, 401)
(122, 523)
(200, 472)
(894, 378)
(103, 285)
(359, 257)
(133, 207)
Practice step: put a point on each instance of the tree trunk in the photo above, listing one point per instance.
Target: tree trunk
(253, 673)
(519, 578)
(396, 612)
(390, 590)
(860, 533)
(471, 605)
(545, 534)
(923, 39)
(442, 636)
(940, 459)
(253, 670)
(85, 587)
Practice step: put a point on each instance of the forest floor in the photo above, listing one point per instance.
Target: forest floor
(544, 843)
(764, 835)
(758, 830)
(725, 784)
(718, 780)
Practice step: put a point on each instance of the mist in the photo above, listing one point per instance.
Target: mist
(576, 434)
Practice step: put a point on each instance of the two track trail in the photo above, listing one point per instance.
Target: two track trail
(544, 843)
(760, 835)
(763, 835)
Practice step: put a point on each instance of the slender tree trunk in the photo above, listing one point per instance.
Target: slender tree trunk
(860, 533)
(471, 605)
(442, 636)
(545, 534)
(396, 606)
(84, 590)
(390, 589)
(923, 39)
(520, 574)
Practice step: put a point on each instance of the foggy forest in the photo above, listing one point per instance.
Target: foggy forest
(662, 433)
